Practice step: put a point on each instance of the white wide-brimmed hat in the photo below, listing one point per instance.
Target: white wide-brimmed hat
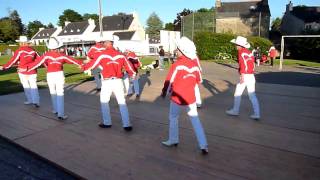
(54, 43)
(22, 39)
(111, 37)
(187, 47)
(241, 41)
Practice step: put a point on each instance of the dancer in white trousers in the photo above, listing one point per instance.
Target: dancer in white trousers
(54, 61)
(181, 80)
(112, 63)
(94, 50)
(247, 79)
(135, 64)
(22, 56)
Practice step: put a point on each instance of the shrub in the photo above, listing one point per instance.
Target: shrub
(210, 44)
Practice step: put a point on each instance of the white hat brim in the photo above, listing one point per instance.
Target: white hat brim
(54, 47)
(247, 45)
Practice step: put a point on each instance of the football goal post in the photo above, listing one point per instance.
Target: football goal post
(292, 36)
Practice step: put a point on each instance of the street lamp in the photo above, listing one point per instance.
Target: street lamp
(100, 18)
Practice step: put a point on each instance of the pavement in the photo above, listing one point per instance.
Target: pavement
(284, 144)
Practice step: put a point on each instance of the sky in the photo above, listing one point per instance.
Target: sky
(48, 11)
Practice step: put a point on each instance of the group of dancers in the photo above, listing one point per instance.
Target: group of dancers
(113, 72)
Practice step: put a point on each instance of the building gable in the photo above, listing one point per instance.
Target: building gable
(125, 35)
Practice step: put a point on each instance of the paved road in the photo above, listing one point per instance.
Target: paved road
(16, 163)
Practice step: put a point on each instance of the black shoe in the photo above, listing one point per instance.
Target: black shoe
(138, 96)
(36, 105)
(204, 151)
(129, 95)
(104, 126)
(98, 89)
(129, 128)
(63, 117)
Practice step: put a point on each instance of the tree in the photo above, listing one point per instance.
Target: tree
(276, 25)
(177, 21)
(50, 25)
(16, 20)
(87, 16)
(154, 25)
(205, 10)
(33, 28)
(8, 30)
(69, 15)
(169, 26)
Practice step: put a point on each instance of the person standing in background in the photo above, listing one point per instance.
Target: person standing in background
(161, 58)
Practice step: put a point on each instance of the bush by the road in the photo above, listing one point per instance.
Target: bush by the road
(210, 44)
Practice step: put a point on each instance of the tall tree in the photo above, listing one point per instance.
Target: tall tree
(8, 30)
(178, 20)
(87, 16)
(169, 26)
(33, 28)
(50, 25)
(17, 22)
(69, 15)
(154, 25)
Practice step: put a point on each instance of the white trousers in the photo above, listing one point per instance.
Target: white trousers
(249, 83)
(56, 87)
(108, 87)
(134, 85)
(29, 83)
(96, 75)
(198, 96)
(193, 115)
(126, 83)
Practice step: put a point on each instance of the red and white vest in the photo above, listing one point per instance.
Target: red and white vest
(53, 61)
(111, 62)
(181, 80)
(246, 61)
(23, 56)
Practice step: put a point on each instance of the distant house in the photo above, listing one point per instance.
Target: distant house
(250, 17)
(300, 18)
(43, 35)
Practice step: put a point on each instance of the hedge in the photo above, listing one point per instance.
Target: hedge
(4, 47)
(210, 44)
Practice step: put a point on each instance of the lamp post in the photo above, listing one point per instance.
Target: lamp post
(259, 23)
(100, 19)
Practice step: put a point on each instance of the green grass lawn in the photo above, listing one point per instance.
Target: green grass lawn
(10, 83)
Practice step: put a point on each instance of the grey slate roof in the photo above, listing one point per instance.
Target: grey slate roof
(74, 28)
(307, 14)
(115, 22)
(125, 35)
(249, 8)
(44, 34)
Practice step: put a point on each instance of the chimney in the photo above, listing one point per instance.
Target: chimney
(66, 23)
(289, 7)
(218, 3)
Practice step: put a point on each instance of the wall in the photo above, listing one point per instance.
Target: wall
(291, 25)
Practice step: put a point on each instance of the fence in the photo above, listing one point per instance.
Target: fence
(198, 22)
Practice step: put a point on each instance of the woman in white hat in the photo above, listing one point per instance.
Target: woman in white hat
(247, 79)
(181, 80)
(54, 60)
(22, 56)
